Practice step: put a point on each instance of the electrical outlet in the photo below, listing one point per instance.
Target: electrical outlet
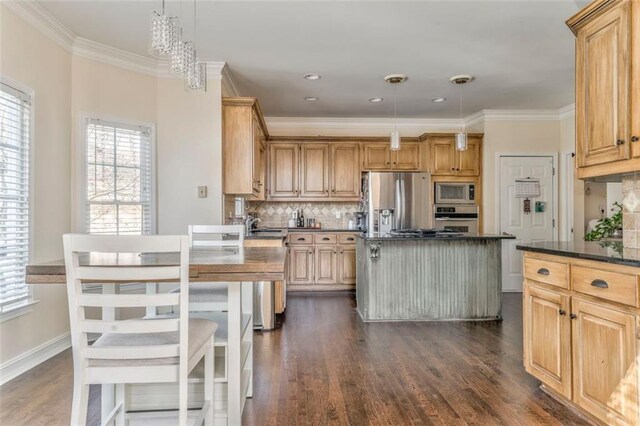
(202, 192)
(338, 214)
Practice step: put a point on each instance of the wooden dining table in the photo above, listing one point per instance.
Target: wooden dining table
(240, 267)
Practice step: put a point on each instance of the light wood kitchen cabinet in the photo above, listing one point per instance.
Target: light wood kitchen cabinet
(301, 260)
(244, 134)
(283, 170)
(581, 340)
(604, 362)
(314, 171)
(607, 83)
(547, 337)
(377, 156)
(345, 170)
(347, 265)
(326, 265)
(447, 161)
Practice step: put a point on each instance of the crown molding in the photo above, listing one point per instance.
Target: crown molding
(384, 124)
(35, 15)
(116, 57)
(228, 83)
(521, 115)
(566, 112)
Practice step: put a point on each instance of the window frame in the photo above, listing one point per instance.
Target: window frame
(81, 168)
(27, 306)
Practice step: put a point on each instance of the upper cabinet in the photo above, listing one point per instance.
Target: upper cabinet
(314, 170)
(378, 156)
(345, 170)
(607, 74)
(243, 139)
(283, 170)
(447, 161)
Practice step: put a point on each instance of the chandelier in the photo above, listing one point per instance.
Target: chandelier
(167, 41)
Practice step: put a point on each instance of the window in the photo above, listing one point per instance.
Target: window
(14, 197)
(118, 184)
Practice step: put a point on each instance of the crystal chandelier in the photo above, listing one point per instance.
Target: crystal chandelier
(181, 55)
(196, 78)
(461, 136)
(163, 33)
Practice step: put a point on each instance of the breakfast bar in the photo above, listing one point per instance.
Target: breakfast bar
(239, 267)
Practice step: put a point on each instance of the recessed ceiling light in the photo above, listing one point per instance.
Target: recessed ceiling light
(461, 79)
(313, 76)
(438, 99)
(311, 98)
(376, 100)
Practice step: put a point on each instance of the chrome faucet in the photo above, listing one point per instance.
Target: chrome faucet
(248, 224)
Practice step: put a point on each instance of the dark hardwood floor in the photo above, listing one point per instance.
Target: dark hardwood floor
(324, 366)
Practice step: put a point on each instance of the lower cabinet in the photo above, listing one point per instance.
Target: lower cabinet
(329, 263)
(585, 348)
(605, 378)
(547, 331)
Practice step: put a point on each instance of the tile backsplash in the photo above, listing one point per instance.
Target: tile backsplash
(631, 220)
(277, 214)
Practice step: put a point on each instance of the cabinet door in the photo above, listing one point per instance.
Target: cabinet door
(602, 87)
(301, 265)
(469, 160)
(345, 170)
(443, 156)
(407, 158)
(547, 338)
(326, 265)
(314, 171)
(347, 265)
(377, 156)
(605, 369)
(283, 166)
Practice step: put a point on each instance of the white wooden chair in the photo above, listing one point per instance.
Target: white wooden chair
(158, 350)
(212, 297)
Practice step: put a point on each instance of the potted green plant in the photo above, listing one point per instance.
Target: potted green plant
(607, 226)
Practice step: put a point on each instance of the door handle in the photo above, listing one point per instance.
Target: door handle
(301, 239)
(635, 138)
(543, 271)
(600, 283)
(573, 316)
(325, 239)
(350, 239)
(562, 312)
(620, 142)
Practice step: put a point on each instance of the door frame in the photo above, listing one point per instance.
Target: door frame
(555, 198)
(567, 184)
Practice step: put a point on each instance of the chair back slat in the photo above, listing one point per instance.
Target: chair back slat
(145, 345)
(128, 300)
(134, 273)
(130, 326)
(201, 235)
(132, 352)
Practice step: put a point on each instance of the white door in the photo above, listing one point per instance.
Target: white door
(527, 227)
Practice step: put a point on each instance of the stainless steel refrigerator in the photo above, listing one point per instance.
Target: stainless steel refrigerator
(395, 200)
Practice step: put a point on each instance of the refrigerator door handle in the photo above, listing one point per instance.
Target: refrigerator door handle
(398, 203)
(403, 203)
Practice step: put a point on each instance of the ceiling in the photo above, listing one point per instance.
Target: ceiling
(520, 51)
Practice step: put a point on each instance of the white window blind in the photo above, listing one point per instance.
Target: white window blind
(14, 197)
(118, 196)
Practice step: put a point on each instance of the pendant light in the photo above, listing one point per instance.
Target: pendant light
(394, 139)
(196, 78)
(163, 33)
(461, 137)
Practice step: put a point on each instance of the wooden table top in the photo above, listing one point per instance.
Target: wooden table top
(206, 265)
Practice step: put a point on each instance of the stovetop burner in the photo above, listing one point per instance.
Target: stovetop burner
(421, 233)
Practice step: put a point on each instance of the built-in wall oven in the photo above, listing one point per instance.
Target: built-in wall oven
(455, 193)
(456, 217)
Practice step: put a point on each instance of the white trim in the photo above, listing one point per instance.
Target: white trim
(228, 82)
(18, 311)
(112, 56)
(521, 115)
(35, 15)
(80, 175)
(30, 359)
(425, 124)
(554, 156)
(566, 112)
(567, 184)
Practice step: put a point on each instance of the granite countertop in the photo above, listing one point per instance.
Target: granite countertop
(282, 233)
(602, 251)
(456, 238)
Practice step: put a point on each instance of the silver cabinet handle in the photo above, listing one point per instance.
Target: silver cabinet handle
(600, 283)
(543, 271)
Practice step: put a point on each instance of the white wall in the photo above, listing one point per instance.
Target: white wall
(32, 59)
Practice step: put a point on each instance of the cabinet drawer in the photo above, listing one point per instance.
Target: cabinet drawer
(325, 239)
(548, 272)
(346, 239)
(607, 285)
(300, 239)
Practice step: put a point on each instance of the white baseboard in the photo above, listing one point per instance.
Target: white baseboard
(25, 362)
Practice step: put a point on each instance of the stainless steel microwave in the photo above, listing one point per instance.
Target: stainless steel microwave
(455, 193)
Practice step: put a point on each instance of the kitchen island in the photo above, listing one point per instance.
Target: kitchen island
(429, 278)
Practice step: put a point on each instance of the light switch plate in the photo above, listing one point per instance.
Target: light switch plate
(202, 192)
